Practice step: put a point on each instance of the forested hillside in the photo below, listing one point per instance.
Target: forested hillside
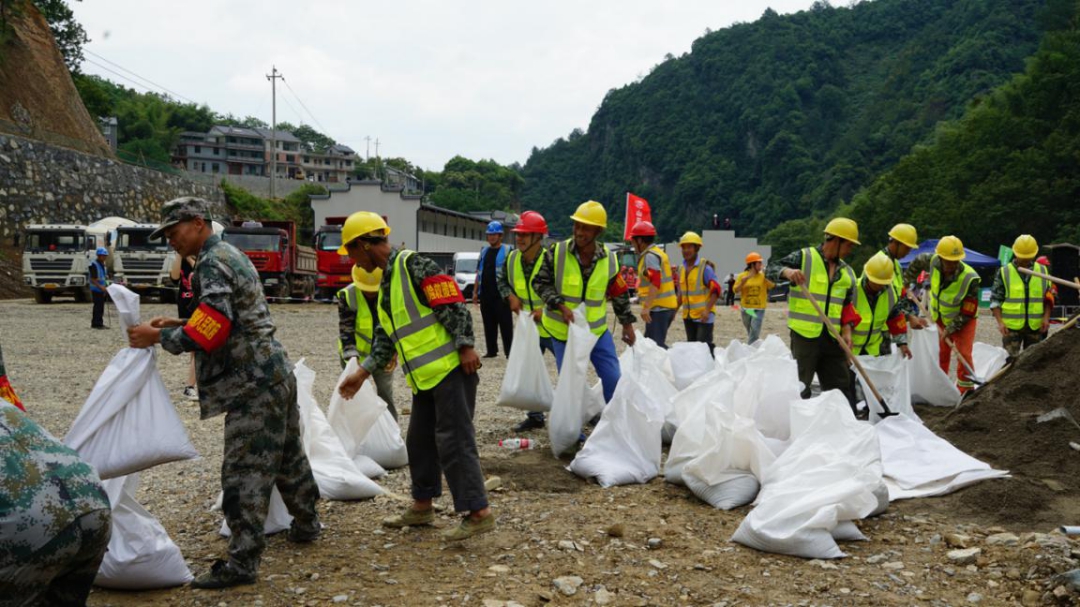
(788, 116)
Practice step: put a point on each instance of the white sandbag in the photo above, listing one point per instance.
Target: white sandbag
(919, 463)
(689, 361)
(335, 473)
(646, 361)
(369, 467)
(141, 554)
(715, 389)
(277, 518)
(766, 385)
(366, 427)
(891, 377)
(828, 475)
(625, 446)
(987, 359)
(526, 383)
(574, 401)
(929, 384)
(128, 422)
(725, 474)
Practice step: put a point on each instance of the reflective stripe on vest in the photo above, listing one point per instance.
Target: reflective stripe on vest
(868, 334)
(364, 327)
(945, 304)
(897, 277)
(665, 295)
(568, 282)
(1023, 303)
(695, 295)
(802, 318)
(522, 285)
(425, 347)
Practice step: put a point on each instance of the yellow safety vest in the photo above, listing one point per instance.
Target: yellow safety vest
(426, 349)
(868, 335)
(945, 304)
(522, 285)
(694, 291)
(364, 327)
(569, 283)
(665, 297)
(802, 318)
(898, 274)
(1023, 302)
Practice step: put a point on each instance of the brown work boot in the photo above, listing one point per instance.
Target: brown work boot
(410, 518)
(468, 527)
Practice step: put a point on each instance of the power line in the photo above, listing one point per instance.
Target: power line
(317, 123)
(155, 85)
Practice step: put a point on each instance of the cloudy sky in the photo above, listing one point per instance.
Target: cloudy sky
(429, 79)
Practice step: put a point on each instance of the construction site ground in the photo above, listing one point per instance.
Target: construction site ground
(652, 544)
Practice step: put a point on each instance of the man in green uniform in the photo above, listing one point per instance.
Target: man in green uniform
(358, 316)
(243, 372)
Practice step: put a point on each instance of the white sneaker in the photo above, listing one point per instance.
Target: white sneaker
(191, 393)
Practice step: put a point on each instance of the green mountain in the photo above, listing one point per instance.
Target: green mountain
(785, 117)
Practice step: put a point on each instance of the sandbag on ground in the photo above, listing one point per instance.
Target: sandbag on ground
(891, 376)
(277, 518)
(713, 390)
(368, 431)
(689, 360)
(128, 422)
(574, 402)
(526, 383)
(726, 475)
(625, 446)
(987, 359)
(919, 463)
(141, 554)
(929, 384)
(826, 477)
(647, 362)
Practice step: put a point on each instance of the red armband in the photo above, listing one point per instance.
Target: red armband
(441, 290)
(8, 394)
(715, 286)
(208, 328)
(897, 325)
(617, 286)
(970, 307)
(850, 316)
(654, 277)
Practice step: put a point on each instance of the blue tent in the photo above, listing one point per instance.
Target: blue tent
(974, 259)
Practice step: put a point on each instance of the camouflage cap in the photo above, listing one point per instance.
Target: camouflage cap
(181, 209)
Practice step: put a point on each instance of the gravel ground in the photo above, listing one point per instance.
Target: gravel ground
(652, 544)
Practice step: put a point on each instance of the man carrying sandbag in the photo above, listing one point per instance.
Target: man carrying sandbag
(580, 271)
(55, 519)
(515, 285)
(243, 372)
(422, 314)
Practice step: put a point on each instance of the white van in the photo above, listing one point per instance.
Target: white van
(465, 272)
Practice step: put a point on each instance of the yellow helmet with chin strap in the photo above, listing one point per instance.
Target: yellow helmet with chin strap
(950, 248)
(591, 213)
(690, 238)
(360, 224)
(367, 282)
(879, 269)
(905, 234)
(845, 228)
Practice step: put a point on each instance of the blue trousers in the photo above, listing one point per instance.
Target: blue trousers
(603, 359)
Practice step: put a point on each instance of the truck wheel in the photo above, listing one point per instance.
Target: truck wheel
(42, 297)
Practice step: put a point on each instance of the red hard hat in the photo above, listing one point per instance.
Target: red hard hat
(531, 223)
(643, 228)
(1043, 260)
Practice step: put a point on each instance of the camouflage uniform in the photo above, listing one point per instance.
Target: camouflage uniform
(247, 375)
(1017, 339)
(545, 286)
(384, 379)
(55, 519)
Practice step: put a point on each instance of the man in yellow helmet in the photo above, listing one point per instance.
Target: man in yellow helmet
(423, 315)
(954, 302)
(700, 289)
(656, 285)
(358, 316)
(580, 271)
(821, 272)
(1021, 304)
(880, 310)
(903, 238)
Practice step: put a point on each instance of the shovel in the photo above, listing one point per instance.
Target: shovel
(964, 361)
(886, 411)
(1053, 279)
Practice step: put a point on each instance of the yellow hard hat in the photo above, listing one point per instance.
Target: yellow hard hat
(591, 213)
(845, 228)
(359, 224)
(905, 233)
(879, 269)
(367, 282)
(690, 238)
(950, 248)
(1025, 246)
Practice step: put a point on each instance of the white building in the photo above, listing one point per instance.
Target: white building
(725, 250)
(420, 227)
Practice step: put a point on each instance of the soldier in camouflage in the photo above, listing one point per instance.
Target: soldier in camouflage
(243, 372)
(55, 519)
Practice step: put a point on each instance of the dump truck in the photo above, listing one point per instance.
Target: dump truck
(56, 257)
(335, 271)
(286, 269)
(141, 264)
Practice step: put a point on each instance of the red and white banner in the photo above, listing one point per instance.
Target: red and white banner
(637, 209)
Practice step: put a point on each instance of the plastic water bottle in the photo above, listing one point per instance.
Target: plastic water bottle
(515, 444)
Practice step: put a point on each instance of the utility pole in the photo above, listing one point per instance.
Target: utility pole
(273, 78)
(378, 161)
(367, 152)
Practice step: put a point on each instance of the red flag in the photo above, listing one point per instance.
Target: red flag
(637, 209)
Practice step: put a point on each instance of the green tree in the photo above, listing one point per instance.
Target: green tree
(69, 33)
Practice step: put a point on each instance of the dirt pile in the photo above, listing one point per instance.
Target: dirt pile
(1000, 424)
